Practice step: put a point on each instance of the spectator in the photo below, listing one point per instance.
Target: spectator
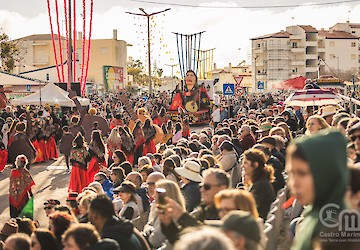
(145, 171)
(105, 183)
(353, 194)
(117, 176)
(84, 201)
(18, 241)
(102, 216)
(43, 239)
(10, 227)
(59, 223)
(260, 175)
(65, 145)
(315, 123)
(228, 161)
(130, 210)
(315, 164)
(150, 184)
(247, 140)
(354, 136)
(49, 206)
(72, 203)
(190, 177)
(80, 236)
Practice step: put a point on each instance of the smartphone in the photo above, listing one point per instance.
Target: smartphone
(161, 192)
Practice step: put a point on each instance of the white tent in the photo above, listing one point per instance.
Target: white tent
(50, 94)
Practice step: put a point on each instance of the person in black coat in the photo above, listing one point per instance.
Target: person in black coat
(259, 178)
(65, 144)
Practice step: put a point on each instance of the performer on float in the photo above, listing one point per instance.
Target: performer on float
(194, 98)
(97, 154)
(21, 183)
(79, 157)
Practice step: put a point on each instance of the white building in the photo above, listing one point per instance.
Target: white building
(298, 51)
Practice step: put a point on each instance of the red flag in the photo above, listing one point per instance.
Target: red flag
(293, 83)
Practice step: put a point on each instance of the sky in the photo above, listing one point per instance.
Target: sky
(228, 30)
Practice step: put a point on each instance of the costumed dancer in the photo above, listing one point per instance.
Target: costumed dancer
(42, 140)
(20, 186)
(97, 154)
(34, 137)
(51, 142)
(21, 145)
(65, 145)
(79, 158)
(127, 145)
(149, 133)
(139, 140)
(113, 143)
(116, 121)
(162, 118)
(3, 156)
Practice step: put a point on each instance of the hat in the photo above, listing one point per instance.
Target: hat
(327, 110)
(241, 222)
(191, 171)
(265, 126)
(72, 196)
(125, 187)
(354, 128)
(10, 227)
(52, 202)
(227, 145)
(269, 140)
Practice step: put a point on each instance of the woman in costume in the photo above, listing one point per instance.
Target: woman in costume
(51, 142)
(3, 156)
(42, 140)
(20, 186)
(34, 137)
(127, 145)
(162, 118)
(97, 154)
(139, 140)
(79, 158)
(149, 133)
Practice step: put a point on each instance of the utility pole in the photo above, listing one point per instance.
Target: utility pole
(148, 34)
(172, 71)
(69, 58)
(255, 73)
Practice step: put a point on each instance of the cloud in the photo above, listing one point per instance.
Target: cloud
(227, 30)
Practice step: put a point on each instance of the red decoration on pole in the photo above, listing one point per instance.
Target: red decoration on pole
(53, 40)
(67, 40)
(59, 40)
(74, 41)
(83, 47)
(89, 45)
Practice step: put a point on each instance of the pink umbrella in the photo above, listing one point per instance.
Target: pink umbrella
(312, 97)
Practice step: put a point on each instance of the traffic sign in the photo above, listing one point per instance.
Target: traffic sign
(261, 85)
(28, 87)
(228, 88)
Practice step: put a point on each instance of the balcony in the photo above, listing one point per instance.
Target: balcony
(311, 56)
(298, 50)
(296, 37)
(311, 68)
(298, 62)
(311, 43)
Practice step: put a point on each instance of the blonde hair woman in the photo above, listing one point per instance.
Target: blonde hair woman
(315, 123)
(153, 228)
(113, 143)
(284, 126)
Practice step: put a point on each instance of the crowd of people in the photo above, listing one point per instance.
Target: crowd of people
(139, 180)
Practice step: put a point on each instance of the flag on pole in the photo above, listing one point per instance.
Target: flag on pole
(28, 210)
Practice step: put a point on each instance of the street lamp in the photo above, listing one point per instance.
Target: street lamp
(148, 33)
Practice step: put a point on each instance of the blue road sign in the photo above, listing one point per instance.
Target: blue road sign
(261, 85)
(228, 88)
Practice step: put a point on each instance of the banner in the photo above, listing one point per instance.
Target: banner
(113, 78)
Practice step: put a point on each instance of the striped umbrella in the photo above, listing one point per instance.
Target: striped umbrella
(312, 97)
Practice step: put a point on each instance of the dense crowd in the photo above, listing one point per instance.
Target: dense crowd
(255, 178)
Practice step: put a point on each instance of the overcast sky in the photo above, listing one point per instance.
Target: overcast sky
(227, 30)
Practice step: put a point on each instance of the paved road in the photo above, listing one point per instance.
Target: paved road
(51, 181)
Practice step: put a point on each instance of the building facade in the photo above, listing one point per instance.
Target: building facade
(38, 59)
(302, 50)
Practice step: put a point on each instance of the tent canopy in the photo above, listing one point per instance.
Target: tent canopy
(52, 95)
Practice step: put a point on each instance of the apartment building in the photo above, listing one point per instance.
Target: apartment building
(301, 49)
(38, 59)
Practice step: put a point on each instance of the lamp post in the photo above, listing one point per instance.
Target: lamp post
(148, 35)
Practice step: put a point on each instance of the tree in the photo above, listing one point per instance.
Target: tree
(136, 70)
(9, 53)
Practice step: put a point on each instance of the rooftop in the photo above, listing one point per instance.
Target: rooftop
(336, 35)
(39, 37)
(308, 28)
(281, 34)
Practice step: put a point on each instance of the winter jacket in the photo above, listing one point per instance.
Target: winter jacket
(191, 193)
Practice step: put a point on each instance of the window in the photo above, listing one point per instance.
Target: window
(332, 43)
(353, 57)
(294, 45)
(353, 44)
(353, 31)
(258, 45)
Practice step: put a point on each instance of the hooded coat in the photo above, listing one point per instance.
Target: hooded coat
(325, 153)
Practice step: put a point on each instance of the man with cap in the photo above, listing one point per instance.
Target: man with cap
(49, 206)
(354, 136)
(265, 128)
(190, 177)
(241, 228)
